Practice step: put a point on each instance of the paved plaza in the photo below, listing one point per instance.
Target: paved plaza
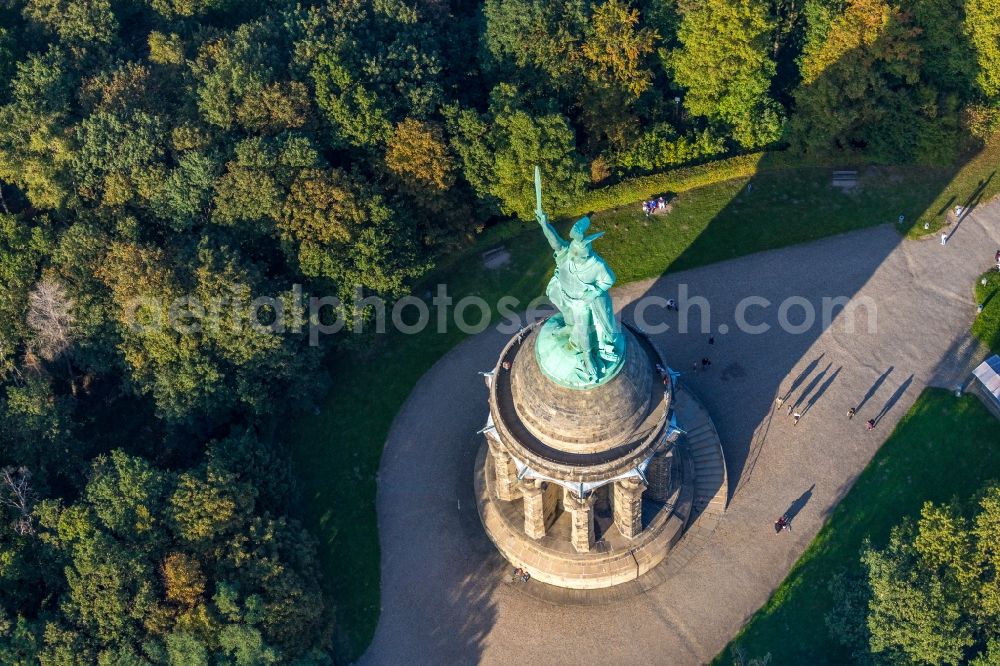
(446, 593)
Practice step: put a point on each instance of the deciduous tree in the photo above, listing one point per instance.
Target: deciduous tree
(617, 47)
(982, 25)
(50, 317)
(725, 64)
(930, 595)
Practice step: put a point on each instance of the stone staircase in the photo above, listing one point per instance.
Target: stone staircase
(711, 486)
(703, 447)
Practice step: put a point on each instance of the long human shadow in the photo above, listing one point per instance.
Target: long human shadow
(755, 448)
(814, 398)
(813, 383)
(971, 203)
(742, 407)
(894, 398)
(800, 502)
(801, 377)
(874, 388)
(946, 206)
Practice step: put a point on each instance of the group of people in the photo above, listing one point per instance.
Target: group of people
(958, 210)
(790, 410)
(794, 413)
(869, 424)
(654, 205)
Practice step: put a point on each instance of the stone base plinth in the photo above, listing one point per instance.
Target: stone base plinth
(556, 560)
(563, 494)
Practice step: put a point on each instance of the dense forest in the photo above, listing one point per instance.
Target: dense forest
(223, 150)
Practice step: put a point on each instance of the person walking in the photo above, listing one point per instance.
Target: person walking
(850, 413)
(790, 406)
(944, 238)
(871, 424)
(996, 258)
(711, 339)
(705, 363)
(796, 416)
(782, 524)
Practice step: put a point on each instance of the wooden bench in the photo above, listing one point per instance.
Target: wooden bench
(845, 180)
(497, 257)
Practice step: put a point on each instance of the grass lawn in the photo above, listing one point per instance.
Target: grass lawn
(779, 208)
(337, 452)
(945, 447)
(976, 182)
(987, 324)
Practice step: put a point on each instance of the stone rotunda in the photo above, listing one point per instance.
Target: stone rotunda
(585, 478)
(583, 489)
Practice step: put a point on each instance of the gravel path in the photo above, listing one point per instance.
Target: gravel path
(445, 594)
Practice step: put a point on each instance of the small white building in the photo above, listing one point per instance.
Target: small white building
(987, 383)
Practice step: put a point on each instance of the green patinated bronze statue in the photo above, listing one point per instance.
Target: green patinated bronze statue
(582, 346)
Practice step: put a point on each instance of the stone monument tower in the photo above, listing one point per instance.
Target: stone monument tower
(585, 478)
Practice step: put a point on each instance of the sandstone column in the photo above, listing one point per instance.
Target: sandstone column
(658, 474)
(504, 472)
(628, 506)
(534, 508)
(582, 517)
(550, 502)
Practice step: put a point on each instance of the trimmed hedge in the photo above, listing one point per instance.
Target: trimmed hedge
(637, 189)
(633, 190)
